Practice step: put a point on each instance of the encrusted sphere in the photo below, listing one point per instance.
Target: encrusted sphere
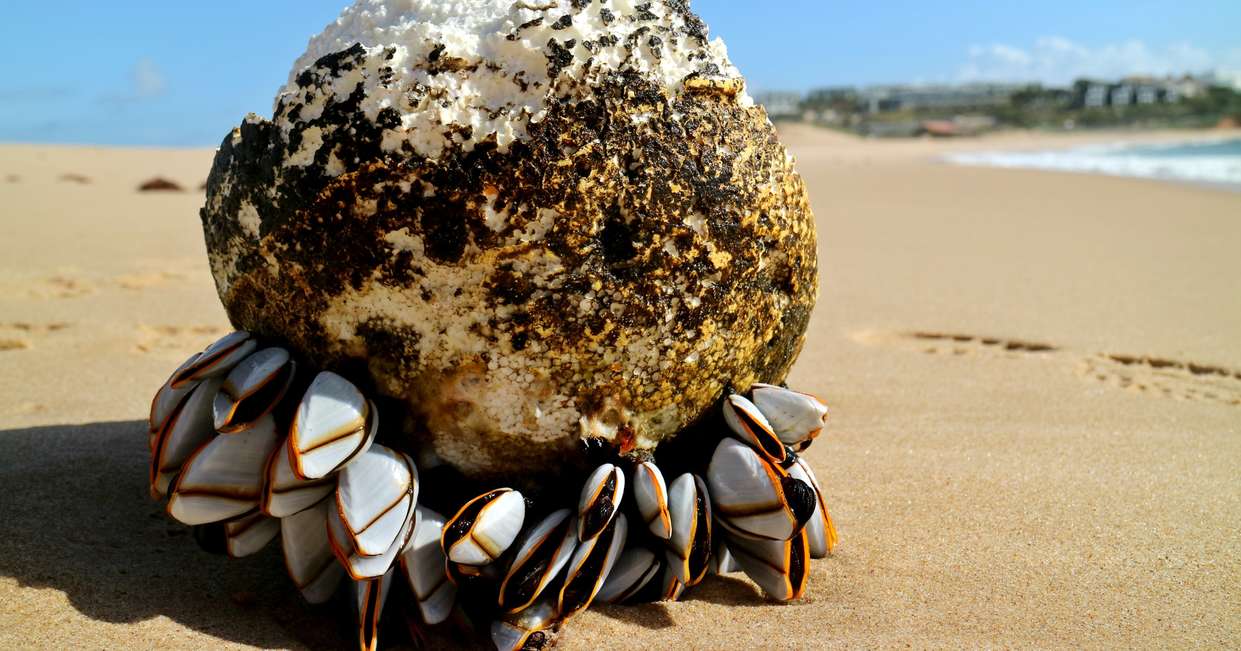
(526, 222)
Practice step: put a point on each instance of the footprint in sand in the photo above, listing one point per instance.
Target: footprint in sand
(953, 344)
(62, 285)
(141, 281)
(1144, 374)
(7, 344)
(38, 328)
(69, 283)
(1165, 377)
(965, 344)
(19, 335)
(151, 272)
(175, 339)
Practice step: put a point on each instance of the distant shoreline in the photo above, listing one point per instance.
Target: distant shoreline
(1213, 162)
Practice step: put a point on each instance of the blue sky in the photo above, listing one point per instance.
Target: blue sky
(182, 73)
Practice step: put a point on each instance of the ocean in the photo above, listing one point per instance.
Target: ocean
(1214, 162)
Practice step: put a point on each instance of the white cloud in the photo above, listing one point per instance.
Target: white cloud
(146, 83)
(147, 79)
(1058, 60)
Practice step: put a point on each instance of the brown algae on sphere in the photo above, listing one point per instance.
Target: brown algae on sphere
(606, 265)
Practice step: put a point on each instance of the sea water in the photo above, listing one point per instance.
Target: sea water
(1215, 162)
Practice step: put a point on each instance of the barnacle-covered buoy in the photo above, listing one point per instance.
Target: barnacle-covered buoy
(516, 285)
(527, 221)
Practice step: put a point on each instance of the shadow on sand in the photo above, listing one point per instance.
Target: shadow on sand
(78, 519)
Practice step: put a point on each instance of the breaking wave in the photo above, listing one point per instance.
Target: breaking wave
(1216, 162)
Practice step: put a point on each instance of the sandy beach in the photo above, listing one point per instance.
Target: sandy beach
(1035, 380)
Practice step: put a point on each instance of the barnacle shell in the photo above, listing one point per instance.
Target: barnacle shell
(522, 220)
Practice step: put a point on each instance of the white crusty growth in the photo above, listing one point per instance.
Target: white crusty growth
(464, 71)
(410, 127)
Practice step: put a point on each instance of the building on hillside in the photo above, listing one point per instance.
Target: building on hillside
(1122, 95)
(834, 97)
(1184, 87)
(1135, 90)
(1096, 96)
(879, 99)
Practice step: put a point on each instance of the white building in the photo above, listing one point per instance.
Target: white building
(967, 96)
(1122, 95)
(1096, 96)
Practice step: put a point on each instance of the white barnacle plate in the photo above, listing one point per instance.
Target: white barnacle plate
(422, 561)
(755, 497)
(284, 493)
(358, 566)
(253, 389)
(308, 555)
(600, 500)
(651, 495)
(541, 556)
(249, 533)
(166, 402)
(722, 559)
(749, 425)
(334, 423)
(224, 478)
(484, 528)
(186, 429)
(779, 567)
(796, 417)
(689, 547)
(375, 496)
(635, 568)
(215, 360)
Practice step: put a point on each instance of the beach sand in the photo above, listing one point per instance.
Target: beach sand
(1035, 381)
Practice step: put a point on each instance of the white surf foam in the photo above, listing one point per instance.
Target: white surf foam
(1214, 162)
